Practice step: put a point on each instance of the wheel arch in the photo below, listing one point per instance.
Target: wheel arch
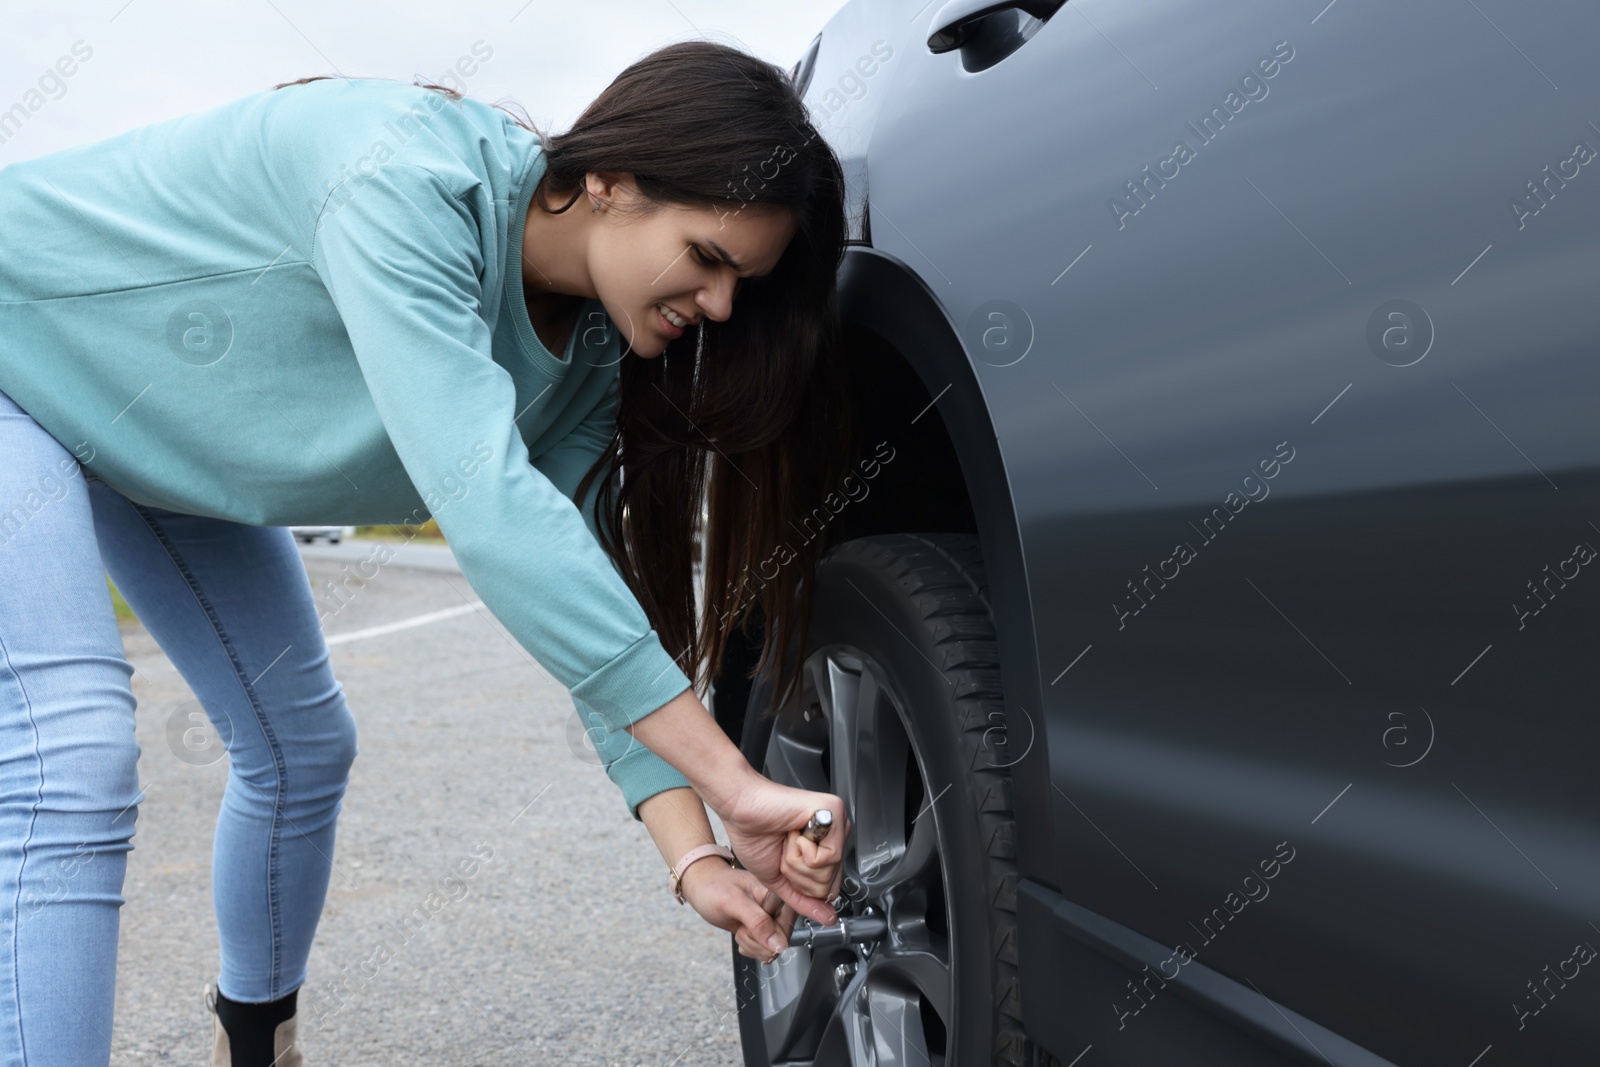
(907, 363)
(901, 352)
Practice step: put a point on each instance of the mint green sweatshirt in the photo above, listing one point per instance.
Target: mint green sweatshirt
(306, 307)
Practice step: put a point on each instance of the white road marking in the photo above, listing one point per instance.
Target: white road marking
(405, 624)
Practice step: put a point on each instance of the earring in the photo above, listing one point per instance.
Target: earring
(594, 205)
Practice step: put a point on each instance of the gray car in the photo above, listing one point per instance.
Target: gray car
(1321, 277)
(333, 534)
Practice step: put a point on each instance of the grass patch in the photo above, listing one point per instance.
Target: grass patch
(428, 531)
(125, 614)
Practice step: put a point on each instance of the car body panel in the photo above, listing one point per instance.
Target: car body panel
(1378, 658)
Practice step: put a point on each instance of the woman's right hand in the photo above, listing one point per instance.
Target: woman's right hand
(763, 826)
(763, 819)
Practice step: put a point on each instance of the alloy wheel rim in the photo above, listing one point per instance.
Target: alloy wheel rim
(887, 1002)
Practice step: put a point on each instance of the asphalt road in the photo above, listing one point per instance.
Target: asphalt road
(567, 947)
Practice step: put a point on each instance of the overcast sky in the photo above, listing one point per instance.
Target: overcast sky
(150, 60)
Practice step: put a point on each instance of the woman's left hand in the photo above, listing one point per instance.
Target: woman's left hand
(735, 900)
(777, 907)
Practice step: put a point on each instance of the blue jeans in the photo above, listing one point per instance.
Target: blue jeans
(231, 605)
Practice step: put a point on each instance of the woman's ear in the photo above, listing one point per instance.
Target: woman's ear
(611, 185)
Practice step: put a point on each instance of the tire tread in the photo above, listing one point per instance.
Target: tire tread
(942, 575)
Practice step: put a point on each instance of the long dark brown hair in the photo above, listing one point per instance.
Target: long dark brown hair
(749, 413)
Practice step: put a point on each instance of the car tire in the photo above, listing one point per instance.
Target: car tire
(910, 615)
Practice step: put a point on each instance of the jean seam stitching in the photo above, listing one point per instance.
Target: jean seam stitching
(274, 904)
(33, 819)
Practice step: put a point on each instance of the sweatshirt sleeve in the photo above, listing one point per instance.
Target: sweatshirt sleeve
(403, 262)
(629, 763)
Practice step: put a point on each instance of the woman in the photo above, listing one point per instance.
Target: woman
(359, 301)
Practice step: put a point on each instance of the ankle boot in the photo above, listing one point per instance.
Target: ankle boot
(285, 1039)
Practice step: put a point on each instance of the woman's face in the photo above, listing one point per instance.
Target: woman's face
(675, 256)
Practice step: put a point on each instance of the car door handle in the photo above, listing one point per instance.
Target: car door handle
(957, 20)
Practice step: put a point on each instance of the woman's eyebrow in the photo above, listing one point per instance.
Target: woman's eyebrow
(723, 254)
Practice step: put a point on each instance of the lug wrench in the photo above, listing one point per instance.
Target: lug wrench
(850, 929)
